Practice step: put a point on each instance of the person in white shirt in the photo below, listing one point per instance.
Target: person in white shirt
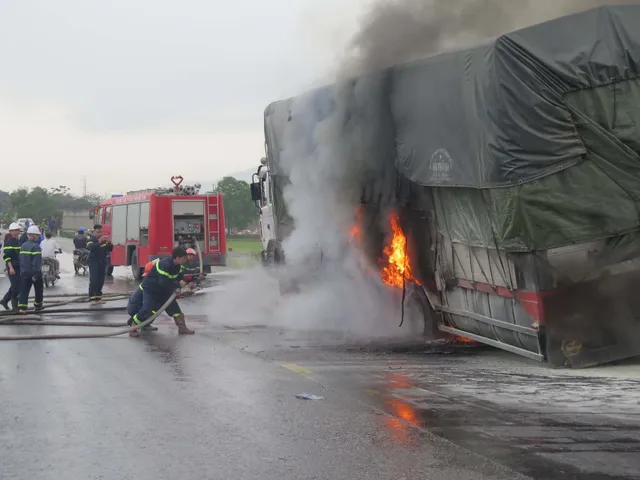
(49, 248)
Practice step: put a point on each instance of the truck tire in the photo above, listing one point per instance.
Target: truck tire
(268, 255)
(420, 319)
(135, 267)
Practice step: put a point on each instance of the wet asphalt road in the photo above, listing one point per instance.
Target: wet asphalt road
(221, 405)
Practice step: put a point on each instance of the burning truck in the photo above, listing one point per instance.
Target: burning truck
(499, 185)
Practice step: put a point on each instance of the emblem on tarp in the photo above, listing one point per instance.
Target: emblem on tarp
(440, 166)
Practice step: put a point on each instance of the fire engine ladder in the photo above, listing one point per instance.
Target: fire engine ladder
(213, 219)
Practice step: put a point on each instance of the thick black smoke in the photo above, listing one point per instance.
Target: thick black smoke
(396, 31)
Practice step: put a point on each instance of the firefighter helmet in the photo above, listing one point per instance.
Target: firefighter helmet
(148, 267)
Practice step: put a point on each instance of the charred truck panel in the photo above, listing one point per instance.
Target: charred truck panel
(513, 170)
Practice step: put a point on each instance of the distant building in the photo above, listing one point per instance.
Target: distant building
(72, 220)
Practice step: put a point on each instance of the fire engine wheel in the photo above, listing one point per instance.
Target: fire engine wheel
(136, 270)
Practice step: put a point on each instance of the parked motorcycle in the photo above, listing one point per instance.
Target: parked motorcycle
(49, 271)
(80, 262)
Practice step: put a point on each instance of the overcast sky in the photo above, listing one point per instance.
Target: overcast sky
(130, 92)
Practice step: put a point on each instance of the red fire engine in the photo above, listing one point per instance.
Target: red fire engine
(148, 224)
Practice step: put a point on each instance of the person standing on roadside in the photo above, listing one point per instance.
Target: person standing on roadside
(31, 271)
(99, 246)
(24, 237)
(11, 258)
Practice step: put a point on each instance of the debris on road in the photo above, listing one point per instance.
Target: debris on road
(308, 396)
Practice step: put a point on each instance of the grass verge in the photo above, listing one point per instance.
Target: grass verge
(244, 246)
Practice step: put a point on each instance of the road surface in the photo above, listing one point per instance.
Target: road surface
(222, 405)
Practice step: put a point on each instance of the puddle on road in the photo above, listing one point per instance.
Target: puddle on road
(542, 445)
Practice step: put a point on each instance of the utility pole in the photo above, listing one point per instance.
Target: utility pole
(84, 186)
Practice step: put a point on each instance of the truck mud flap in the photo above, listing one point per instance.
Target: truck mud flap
(594, 322)
(591, 358)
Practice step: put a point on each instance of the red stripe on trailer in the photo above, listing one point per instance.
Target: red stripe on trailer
(532, 302)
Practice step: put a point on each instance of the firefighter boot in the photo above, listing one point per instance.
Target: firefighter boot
(182, 326)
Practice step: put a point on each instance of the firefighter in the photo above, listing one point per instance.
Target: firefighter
(31, 271)
(163, 279)
(191, 268)
(12, 261)
(99, 246)
(135, 301)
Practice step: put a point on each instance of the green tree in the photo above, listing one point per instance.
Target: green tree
(239, 210)
(42, 204)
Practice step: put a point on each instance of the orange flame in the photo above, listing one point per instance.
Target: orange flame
(356, 233)
(397, 268)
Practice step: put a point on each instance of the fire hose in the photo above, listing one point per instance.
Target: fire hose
(52, 308)
(59, 336)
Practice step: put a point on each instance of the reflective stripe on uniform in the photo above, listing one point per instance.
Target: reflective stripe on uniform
(30, 253)
(166, 274)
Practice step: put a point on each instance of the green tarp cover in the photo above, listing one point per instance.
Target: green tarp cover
(537, 130)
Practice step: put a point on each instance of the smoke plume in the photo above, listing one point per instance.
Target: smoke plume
(333, 151)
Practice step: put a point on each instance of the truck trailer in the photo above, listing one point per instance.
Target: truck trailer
(516, 173)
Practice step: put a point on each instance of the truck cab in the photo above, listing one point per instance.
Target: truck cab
(262, 195)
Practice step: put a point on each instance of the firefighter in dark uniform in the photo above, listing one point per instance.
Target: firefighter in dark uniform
(163, 279)
(135, 301)
(191, 268)
(98, 247)
(11, 259)
(31, 271)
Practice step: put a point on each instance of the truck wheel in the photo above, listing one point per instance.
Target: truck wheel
(268, 255)
(419, 318)
(135, 267)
